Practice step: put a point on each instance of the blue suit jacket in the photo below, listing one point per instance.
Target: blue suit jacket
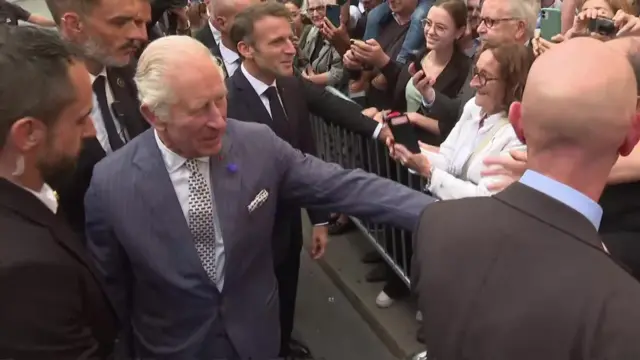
(141, 243)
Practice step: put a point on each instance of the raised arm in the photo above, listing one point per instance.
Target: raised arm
(313, 183)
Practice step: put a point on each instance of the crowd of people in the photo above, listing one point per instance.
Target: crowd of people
(155, 159)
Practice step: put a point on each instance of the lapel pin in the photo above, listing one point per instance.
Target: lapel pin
(232, 168)
(120, 82)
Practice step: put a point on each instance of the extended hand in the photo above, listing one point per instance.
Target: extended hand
(319, 240)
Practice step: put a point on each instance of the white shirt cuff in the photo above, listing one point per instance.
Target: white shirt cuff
(322, 224)
(427, 104)
(377, 130)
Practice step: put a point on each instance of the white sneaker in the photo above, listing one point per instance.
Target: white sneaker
(383, 300)
(419, 316)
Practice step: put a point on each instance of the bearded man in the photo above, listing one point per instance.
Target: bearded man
(109, 33)
(52, 306)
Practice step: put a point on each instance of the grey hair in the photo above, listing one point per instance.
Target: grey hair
(158, 60)
(527, 11)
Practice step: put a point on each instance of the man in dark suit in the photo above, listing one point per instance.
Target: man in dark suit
(188, 211)
(52, 306)
(263, 90)
(109, 49)
(527, 275)
(215, 33)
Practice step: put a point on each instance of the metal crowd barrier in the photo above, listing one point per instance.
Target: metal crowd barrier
(353, 151)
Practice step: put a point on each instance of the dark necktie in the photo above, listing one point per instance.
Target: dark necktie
(280, 123)
(99, 88)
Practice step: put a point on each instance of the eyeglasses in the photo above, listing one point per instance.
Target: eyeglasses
(483, 78)
(321, 8)
(427, 24)
(489, 22)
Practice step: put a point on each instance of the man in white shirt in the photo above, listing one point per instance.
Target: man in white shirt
(51, 306)
(215, 35)
(109, 32)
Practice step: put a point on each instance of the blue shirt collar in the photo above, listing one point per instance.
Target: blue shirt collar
(565, 194)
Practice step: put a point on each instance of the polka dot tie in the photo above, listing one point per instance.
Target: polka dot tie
(201, 218)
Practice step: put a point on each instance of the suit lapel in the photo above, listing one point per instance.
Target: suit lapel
(154, 183)
(126, 107)
(227, 185)
(288, 97)
(248, 99)
(551, 212)
(28, 206)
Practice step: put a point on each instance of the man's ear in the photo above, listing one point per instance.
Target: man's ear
(515, 118)
(245, 50)
(632, 138)
(71, 25)
(151, 118)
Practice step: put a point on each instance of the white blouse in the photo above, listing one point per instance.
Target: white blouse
(457, 167)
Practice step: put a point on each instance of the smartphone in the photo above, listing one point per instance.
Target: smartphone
(333, 14)
(550, 23)
(602, 26)
(404, 133)
(414, 57)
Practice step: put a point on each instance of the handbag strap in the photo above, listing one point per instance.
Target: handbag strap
(483, 144)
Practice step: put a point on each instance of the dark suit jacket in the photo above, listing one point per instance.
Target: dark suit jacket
(244, 104)
(525, 277)
(52, 306)
(205, 36)
(127, 110)
(449, 82)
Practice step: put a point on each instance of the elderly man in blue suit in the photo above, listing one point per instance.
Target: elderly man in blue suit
(179, 221)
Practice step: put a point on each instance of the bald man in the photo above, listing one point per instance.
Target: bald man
(215, 34)
(526, 275)
(620, 201)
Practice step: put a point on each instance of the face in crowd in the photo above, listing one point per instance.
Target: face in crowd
(317, 11)
(473, 18)
(486, 80)
(111, 31)
(60, 143)
(441, 29)
(271, 49)
(497, 23)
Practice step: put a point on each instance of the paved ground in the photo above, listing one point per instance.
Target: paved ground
(326, 319)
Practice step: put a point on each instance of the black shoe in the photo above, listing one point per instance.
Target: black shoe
(298, 350)
(377, 274)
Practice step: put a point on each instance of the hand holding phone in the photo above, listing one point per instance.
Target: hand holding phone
(403, 131)
(333, 15)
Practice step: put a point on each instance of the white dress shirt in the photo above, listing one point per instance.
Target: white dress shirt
(260, 88)
(98, 121)
(467, 143)
(47, 196)
(230, 58)
(179, 175)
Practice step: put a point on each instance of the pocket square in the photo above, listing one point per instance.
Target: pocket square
(260, 199)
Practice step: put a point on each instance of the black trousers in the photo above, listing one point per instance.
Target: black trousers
(287, 274)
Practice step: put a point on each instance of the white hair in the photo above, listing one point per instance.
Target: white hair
(214, 6)
(165, 56)
(527, 11)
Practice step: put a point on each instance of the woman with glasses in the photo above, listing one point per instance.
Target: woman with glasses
(453, 170)
(321, 62)
(443, 61)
